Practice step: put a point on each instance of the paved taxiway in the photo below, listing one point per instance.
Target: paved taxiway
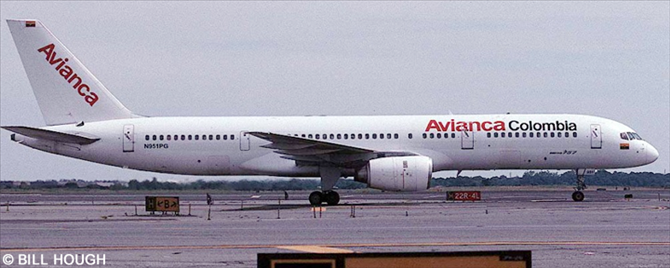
(603, 231)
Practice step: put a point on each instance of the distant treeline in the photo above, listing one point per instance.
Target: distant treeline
(545, 178)
(530, 178)
(240, 185)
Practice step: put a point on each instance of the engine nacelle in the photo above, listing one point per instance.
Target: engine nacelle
(403, 173)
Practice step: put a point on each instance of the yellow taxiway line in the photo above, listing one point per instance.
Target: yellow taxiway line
(316, 249)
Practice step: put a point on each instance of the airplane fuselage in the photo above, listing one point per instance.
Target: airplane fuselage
(221, 145)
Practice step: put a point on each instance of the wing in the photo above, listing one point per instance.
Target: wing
(313, 152)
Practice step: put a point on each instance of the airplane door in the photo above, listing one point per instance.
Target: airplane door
(596, 137)
(128, 138)
(467, 140)
(244, 141)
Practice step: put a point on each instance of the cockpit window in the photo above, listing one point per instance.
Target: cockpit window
(630, 136)
(637, 137)
(624, 135)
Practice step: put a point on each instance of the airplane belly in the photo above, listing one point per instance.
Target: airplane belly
(272, 164)
(509, 159)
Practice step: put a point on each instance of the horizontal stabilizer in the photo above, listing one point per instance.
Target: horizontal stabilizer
(50, 135)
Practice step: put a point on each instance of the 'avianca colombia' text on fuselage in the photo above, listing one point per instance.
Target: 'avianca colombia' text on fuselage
(514, 125)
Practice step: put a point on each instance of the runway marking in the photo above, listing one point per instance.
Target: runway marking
(347, 245)
(316, 249)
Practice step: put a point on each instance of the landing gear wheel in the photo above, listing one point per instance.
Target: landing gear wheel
(315, 198)
(578, 196)
(332, 198)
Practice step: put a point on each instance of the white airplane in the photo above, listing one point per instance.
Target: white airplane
(396, 153)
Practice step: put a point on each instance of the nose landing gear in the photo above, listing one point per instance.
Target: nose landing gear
(578, 196)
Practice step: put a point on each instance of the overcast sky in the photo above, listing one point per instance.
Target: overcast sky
(608, 59)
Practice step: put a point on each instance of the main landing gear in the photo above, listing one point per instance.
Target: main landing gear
(330, 197)
(329, 176)
(578, 196)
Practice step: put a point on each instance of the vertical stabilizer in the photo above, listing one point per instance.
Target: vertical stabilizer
(66, 91)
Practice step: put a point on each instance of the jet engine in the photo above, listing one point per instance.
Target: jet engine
(402, 173)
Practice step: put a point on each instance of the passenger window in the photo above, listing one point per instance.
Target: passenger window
(424, 135)
(367, 136)
(211, 137)
(303, 135)
(432, 135)
(530, 134)
(169, 137)
(176, 137)
(502, 134)
(346, 136)
(409, 136)
(183, 137)
(574, 134)
(332, 137)
(495, 135)
(204, 137)
(153, 137)
(381, 136)
(388, 136)
(523, 134)
(395, 136)
(545, 134)
(225, 137)
(488, 134)
(539, 135)
(552, 134)
(360, 136)
(353, 136)
(146, 137)
(197, 137)
(558, 134)
(218, 137)
(317, 136)
(232, 137)
(309, 136)
(374, 136)
(567, 134)
(453, 135)
(516, 134)
(339, 136)
(439, 135)
(190, 137)
(325, 136)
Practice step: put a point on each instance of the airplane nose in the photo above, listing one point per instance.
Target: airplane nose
(652, 153)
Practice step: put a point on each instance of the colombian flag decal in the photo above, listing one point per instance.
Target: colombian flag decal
(30, 23)
(624, 146)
